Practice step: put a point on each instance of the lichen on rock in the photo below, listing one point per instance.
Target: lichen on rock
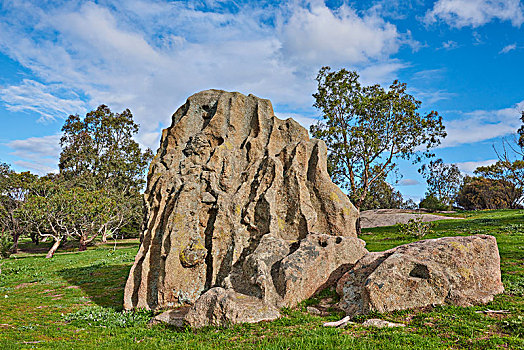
(233, 196)
(461, 271)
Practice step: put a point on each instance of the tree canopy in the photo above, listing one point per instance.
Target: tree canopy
(368, 128)
(97, 191)
(483, 193)
(444, 181)
(14, 188)
(100, 152)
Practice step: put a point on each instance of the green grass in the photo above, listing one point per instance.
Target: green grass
(75, 300)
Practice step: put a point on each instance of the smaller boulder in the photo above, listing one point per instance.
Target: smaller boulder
(175, 317)
(224, 307)
(453, 270)
(316, 264)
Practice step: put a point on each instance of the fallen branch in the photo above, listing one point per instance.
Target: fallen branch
(493, 312)
(340, 323)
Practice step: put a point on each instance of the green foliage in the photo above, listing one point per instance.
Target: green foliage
(381, 195)
(483, 193)
(58, 211)
(6, 244)
(106, 317)
(34, 314)
(366, 128)
(415, 228)
(520, 132)
(14, 188)
(510, 174)
(514, 325)
(99, 151)
(432, 203)
(443, 181)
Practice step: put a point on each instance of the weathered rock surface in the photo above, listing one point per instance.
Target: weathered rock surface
(175, 317)
(456, 270)
(238, 204)
(223, 307)
(318, 263)
(390, 217)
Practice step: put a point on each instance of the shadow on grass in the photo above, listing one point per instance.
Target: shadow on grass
(104, 284)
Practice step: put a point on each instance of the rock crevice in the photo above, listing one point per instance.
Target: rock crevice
(242, 219)
(238, 199)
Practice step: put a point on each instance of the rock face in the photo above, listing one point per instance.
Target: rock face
(223, 307)
(239, 200)
(456, 270)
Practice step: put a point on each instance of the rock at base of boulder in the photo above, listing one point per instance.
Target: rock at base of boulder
(456, 270)
(221, 307)
(175, 317)
(317, 264)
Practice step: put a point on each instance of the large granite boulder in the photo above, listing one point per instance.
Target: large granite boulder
(453, 270)
(241, 200)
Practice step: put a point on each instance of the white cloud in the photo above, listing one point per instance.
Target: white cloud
(475, 13)
(42, 100)
(150, 57)
(508, 48)
(39, 154)
(449, 45)
(316, 34)
(430, 97)
(429, 75)
(469, 167)
(408, 182)
(381, 73)
(36, 167)
(482, 125)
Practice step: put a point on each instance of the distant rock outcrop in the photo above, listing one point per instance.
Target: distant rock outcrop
(461, 271)
(240, 210)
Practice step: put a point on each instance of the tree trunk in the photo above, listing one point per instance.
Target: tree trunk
(104, 237)
(53, 249)
(357, 226)
(82, 245)
(35, 238)
(14, 249)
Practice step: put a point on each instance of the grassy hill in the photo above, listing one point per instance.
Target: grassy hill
(74, 301)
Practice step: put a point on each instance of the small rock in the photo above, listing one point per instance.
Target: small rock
(193, 254)
(375, 322)
(319, 262)
(313, 310)
(208, 198)
(172, 317)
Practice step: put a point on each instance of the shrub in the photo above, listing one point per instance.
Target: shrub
(6, 244)
(432, 203)
(415, 228)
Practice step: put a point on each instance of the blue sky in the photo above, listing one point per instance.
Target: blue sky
(463, 58)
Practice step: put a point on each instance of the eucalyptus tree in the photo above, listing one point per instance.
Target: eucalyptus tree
(58, 211)
(14, 188)
(367, 129)
(444, 181)
(99, 152)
